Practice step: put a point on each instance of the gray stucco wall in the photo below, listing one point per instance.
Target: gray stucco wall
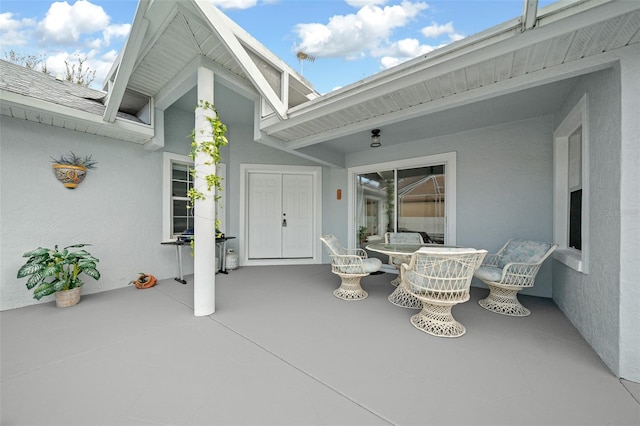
(630, 217)
(504, 184)
(178, 125)
(117, 208)
(591, 302)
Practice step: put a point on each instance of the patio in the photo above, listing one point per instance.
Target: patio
(281, 349)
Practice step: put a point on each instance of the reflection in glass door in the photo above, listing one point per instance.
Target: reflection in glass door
(421, 202)
(401, 200)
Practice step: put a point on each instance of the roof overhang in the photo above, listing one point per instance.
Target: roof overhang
(565, 40)
(167, 38)
(43, 112)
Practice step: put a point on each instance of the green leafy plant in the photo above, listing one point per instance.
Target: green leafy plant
(73, 160)
(210, 148)
(53, 270)
(362, 233)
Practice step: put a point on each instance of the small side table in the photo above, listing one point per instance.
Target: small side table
(179, 244)
(220, 242)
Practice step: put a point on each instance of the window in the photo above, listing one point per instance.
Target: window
(571, 189)
(406, 195)
(575, 190)
(181, 182)
(177, 181)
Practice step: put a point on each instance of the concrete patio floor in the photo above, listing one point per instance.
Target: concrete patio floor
(282, 350)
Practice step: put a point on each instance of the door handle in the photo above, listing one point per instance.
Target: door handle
(284, 220)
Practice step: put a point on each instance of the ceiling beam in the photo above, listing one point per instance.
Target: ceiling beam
(218, 25)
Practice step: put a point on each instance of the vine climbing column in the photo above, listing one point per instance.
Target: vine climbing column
(205, 207)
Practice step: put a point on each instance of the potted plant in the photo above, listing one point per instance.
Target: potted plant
(144, 281)
(72, 169)
(58, 271)
(362, 234)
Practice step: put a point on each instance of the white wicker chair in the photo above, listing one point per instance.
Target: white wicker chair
(440, 278)
(510, 270)
(350, 265)
(401, 238)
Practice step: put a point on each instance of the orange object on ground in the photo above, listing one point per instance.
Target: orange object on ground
(145, 281)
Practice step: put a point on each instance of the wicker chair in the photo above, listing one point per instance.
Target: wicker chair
(510, 270)
(350, 265)
(440, 278)
(401, 238)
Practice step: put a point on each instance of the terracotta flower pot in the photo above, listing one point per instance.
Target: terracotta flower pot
(145, 281)
(66, 298)
(70, 176)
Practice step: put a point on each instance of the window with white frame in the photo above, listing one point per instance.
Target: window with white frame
(571, 189)
(177, 180)
(411, 195)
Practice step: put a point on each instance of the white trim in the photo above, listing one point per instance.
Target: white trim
(316, 173)
(37, 110)
(127, 61)
(221, 211)
(575, 259)
(449, 161)
(167, 159)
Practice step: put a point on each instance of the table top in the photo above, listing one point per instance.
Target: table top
(187, 242)
(400, 249)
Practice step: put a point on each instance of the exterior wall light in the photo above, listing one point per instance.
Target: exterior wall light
(375, 138)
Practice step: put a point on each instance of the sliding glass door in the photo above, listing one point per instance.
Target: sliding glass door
(421, 202)
(405, 196)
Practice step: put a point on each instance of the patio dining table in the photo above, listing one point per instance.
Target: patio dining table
(400, 296)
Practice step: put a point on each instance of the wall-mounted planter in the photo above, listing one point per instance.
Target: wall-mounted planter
(70, 176)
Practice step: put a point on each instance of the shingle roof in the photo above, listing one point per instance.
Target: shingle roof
(38, 85)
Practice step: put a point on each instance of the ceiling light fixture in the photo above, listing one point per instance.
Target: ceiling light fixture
(375, 138)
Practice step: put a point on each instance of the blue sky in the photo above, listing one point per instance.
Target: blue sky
(350, 39)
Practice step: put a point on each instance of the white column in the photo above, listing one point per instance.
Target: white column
(204, 272)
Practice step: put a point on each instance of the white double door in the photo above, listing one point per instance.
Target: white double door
(280, 215)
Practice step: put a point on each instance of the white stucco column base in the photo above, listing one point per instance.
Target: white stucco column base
(204, 272)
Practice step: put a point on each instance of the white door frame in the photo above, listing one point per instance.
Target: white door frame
(243, 249)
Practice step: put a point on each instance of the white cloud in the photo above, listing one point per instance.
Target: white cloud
(55, 63)
(234, 4)
(65, 24)
(361, 3)
(405, 48)
(116, 31)
(353, 34)
(110, 56)
(388, 62)
(409, 48)
(14, 31)
(436, 30)
(402, 51)
(92, 61)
